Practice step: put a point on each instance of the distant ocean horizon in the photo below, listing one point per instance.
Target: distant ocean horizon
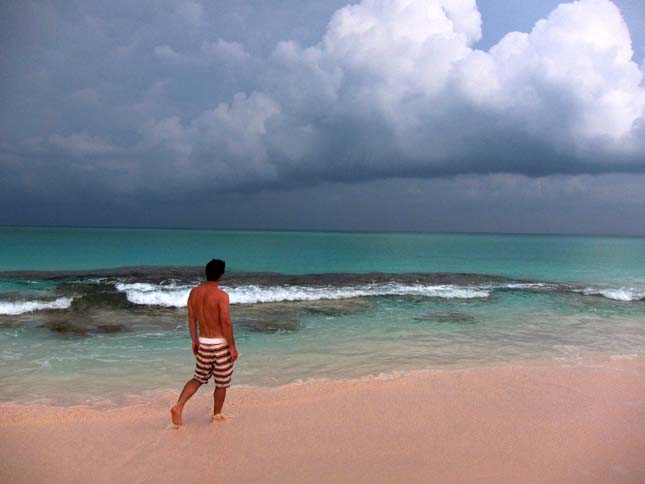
(95, 315)
(328, 230)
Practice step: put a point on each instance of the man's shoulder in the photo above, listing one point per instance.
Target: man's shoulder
(198, 289)
(220, 293)
(205, 287)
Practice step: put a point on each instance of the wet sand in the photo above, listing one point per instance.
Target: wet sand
(535, 423)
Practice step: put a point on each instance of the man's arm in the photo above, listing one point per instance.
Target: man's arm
(227, 325)
(192, 324)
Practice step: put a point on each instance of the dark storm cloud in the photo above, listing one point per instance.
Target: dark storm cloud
(126, 104)
(492, 203)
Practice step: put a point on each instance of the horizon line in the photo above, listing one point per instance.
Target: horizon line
(344, 231)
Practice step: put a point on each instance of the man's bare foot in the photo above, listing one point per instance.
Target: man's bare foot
(175, 415)
(218, 417)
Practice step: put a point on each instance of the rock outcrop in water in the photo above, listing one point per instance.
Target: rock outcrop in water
(287, 316)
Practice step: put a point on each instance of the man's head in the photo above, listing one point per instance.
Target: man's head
(214, 269)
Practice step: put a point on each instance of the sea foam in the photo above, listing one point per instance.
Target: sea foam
(620, 294)
(13, 308)
(155, 295)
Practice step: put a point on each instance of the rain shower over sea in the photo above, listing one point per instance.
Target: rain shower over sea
(98, 316)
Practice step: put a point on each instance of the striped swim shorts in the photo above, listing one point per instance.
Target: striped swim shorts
(214, 359)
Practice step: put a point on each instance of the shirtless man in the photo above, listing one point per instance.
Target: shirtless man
(214, 347)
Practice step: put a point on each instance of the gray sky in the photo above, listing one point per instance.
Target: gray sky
(439, 115)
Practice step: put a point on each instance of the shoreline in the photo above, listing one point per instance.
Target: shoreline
(555, 422)
(147, 398)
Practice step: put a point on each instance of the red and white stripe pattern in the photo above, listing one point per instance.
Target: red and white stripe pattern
(214, 360)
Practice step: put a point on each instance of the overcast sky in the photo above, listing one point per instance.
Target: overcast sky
(437, 115)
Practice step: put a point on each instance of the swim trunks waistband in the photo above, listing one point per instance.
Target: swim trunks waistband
(212, 341)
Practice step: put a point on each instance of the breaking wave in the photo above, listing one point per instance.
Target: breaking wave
(155, 295)
(12, 308)
(620, 294)
(177, 296)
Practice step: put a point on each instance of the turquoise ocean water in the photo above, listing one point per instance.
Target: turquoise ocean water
(92, 315)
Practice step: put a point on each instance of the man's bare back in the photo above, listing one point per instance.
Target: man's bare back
(207, 303)
(208, 309)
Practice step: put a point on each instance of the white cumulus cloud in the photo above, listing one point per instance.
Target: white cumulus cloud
(397, 87)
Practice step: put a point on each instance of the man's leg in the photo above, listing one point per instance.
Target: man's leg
(222, 373)
(219, 396)
(189, 390)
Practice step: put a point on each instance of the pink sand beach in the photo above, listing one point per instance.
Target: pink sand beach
(536, 423)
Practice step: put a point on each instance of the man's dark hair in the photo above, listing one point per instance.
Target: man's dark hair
(214, 269)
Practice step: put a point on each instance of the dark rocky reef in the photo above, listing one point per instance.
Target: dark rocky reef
(286, 316)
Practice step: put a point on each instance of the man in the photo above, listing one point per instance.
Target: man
(214, 348)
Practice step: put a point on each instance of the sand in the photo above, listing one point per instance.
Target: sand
(534, 423)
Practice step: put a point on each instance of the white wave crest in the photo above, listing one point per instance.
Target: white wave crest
(155, 295)
(177, 296)
(523, 285)
(620, 294)
(256, 294)
(13, 308)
